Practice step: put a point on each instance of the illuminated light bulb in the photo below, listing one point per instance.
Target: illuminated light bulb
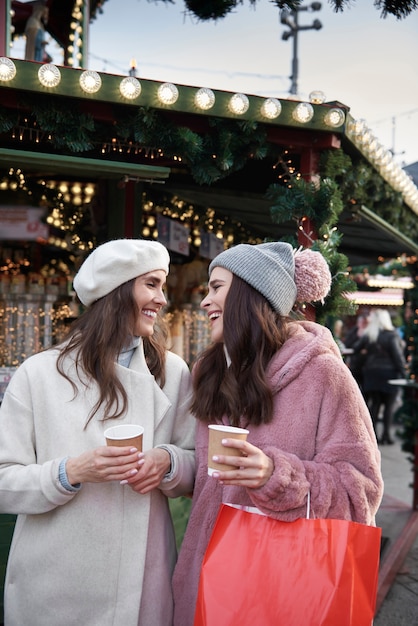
(317, 97)
(167, 93)
(204, 98)
(271, 108)
(49, 75)
(130, 87)
(365, 138)
(371, 147)
(7, 69)
(90, 81)
(303, 112)
(239, 104)
(357, 127)
(378, 154)
(334, 118)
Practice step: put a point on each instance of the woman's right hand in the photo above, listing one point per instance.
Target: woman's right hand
(103, 464)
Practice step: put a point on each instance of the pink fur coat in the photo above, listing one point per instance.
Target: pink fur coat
(321, 440)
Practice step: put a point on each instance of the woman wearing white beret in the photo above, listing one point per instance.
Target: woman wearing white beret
(94, 541)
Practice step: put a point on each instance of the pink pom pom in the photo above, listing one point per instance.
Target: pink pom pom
(312, 276)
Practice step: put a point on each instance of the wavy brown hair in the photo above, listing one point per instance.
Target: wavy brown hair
(253, 333)
(98, 336)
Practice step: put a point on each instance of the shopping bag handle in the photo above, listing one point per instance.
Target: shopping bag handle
(254, 509)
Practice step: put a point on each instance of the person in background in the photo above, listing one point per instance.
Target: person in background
(94, 542)
(284, 380)
(356, 360)
(338, 335)
(384, 361)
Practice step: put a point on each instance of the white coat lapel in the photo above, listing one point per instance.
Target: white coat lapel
(149, 403)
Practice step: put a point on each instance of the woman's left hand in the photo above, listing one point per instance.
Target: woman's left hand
(253, 470)
(152, 467)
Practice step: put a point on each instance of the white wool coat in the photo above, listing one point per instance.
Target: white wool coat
(80, 558)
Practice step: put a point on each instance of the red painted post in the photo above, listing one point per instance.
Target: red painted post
(309, 162)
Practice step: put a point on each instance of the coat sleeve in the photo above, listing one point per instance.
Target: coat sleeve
(25, 486)
(342, 468)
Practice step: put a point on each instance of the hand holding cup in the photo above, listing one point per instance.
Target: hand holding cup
(217, 432)
(125, 435)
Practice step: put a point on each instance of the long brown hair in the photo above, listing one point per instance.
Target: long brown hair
(98, 336)
(253, 333)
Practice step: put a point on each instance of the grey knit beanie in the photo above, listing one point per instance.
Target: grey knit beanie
(268, 267)
(114, 263)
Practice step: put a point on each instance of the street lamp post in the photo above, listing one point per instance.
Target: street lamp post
(291, 19)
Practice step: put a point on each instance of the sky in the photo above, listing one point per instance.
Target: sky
(357, 58)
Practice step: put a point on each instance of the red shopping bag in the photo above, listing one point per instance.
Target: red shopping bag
(315, 572)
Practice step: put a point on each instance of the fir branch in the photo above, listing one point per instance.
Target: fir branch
(321, 203)
(8, 119)
(67, 127)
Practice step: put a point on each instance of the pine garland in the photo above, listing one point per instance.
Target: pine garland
(69, 128)
(321, 203)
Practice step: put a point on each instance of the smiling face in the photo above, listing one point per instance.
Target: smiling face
(149, 297)
(214, 303)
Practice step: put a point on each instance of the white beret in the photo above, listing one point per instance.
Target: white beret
(114, 263)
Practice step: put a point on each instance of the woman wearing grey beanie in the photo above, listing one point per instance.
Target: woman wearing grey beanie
(283, 380)
(94, 543)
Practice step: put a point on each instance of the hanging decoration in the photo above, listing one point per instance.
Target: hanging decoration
(197, 218)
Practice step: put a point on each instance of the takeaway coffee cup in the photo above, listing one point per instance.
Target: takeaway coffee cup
(125, 435)
(217, 432)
